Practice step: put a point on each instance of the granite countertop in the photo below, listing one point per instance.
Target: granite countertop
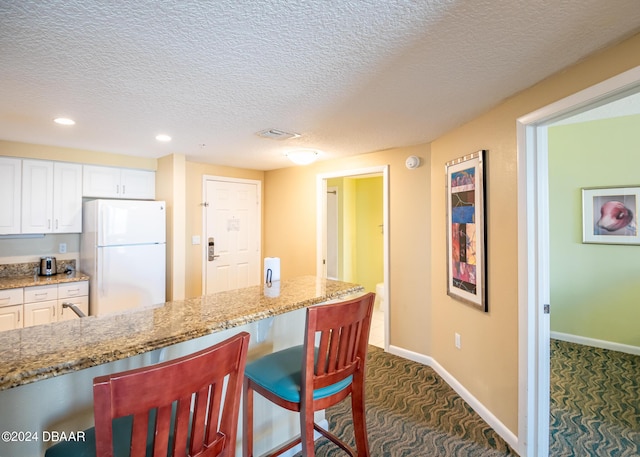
(40, 352)
(13, 282)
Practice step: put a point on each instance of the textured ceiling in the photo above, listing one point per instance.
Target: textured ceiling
(349, 76)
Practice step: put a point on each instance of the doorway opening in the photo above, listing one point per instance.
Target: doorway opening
(353, 236)
(533, 244)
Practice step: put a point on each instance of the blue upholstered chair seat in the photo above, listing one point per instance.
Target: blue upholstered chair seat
(280, 373)
(122, 427)
(87, 448)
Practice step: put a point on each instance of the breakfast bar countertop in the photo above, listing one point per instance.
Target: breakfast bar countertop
(44, 351)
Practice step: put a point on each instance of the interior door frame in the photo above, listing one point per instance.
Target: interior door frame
(533, 259)
(204, 205)
(321, 228)
(332, 190)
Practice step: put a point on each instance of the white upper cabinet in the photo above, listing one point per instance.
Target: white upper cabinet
(138, 184)
(109, 182)
(37, 196)
(67, 197)
(10, 191)
(51, 197)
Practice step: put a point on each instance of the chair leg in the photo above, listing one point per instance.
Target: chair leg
(359, 418)
(307, 430)
(247, 420)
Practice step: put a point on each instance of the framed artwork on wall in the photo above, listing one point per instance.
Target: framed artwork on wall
(466, 230)
(610, 215)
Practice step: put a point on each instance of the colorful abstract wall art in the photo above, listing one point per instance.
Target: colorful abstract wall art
(466, 239)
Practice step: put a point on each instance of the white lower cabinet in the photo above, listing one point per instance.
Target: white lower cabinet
(76, 293)
(40, 313)
(40, 305)
(11, 309)
(11, 317)
(36, 305)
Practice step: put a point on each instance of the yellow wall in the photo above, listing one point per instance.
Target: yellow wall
(369, 234)
(360, 236)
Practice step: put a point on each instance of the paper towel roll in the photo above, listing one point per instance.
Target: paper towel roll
(271, 269)
(272, 289)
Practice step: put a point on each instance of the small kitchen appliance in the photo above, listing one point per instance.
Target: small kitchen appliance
(48, 266)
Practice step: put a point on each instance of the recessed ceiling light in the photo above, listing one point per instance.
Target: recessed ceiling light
(163, 137)
(64, 121)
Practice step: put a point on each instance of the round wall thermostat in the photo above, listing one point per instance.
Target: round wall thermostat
(412, 162)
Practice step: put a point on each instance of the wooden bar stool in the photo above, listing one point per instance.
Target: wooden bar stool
(323, 371)
(183, 407)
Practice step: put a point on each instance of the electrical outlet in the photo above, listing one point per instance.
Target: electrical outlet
(458, 341)
(62, 248)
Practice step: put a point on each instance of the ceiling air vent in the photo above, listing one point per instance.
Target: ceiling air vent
(276, 134)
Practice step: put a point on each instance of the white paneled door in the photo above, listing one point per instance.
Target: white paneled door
(232, 241)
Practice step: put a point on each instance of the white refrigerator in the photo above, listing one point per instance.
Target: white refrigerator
(123, 250)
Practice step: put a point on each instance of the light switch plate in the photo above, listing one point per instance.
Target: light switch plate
(195, 239)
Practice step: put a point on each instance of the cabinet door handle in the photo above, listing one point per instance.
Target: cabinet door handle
(117, 188)
(123, 190)
(56, 224)
(18, 316)
(49, 224)
(54, 311)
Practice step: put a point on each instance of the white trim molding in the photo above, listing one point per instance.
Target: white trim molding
(533, 253)
(467, 396)
(602, 344)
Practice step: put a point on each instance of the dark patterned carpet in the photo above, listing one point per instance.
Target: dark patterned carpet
(595, 402)
(411, 411)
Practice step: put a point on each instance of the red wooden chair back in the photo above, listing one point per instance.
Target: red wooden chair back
(196, 399)
(336, 337)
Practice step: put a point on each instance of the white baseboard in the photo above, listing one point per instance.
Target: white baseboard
(478, 407)
(635, 350)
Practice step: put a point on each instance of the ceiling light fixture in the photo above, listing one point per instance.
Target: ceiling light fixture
(303, 156)
(164, 138)
(64, 121)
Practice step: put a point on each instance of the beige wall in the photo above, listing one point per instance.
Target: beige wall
(38, 151)
(195, 173)
(487, 364)
(423, 318)
(290, 233)
(171, 187)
